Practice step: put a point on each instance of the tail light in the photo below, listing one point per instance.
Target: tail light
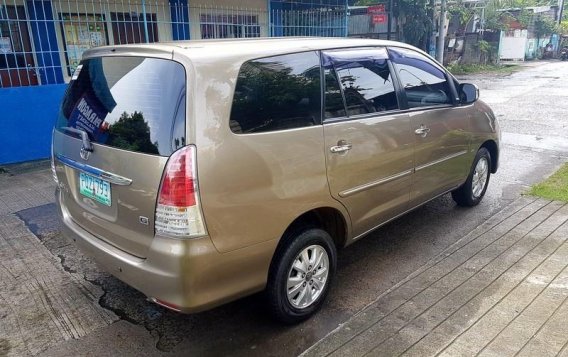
(178, 211)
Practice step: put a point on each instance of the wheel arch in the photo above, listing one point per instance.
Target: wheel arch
(493, 149)
(329, 219)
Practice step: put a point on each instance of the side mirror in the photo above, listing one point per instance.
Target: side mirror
(469, 93)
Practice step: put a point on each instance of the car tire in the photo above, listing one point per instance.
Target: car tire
(473, 190)
(300, 275)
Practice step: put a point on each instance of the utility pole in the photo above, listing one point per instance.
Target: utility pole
(441, 33)
(432, 40)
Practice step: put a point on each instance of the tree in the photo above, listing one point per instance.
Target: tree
(462, 12)
(543, 26)
(563, 28)
(131, 132)
(414, 24)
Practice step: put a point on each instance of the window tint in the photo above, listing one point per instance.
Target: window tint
(128, 103)
(178, 133)
(424, 83)
(334, 106)
(276, 93)
(366, 80)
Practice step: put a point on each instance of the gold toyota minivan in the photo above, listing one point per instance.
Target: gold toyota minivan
(199, 172)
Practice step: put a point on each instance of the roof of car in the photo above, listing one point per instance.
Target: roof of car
(310, 43)
(261, 47)
(251, 47)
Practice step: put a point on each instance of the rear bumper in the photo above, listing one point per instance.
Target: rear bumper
(185, 275)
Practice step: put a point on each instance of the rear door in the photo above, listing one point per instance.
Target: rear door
(368, 143)
(131, 110)
(440, 128)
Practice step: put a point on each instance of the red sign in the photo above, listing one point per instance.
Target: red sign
(376, 9)
(379, 19)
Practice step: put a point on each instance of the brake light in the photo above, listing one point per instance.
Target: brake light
(178, 212)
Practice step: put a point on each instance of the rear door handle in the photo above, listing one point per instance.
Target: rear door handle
(422, 131)
(342, 146)
(84, 137)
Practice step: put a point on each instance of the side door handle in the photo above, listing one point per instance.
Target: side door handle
(422, 131)
(341, 147)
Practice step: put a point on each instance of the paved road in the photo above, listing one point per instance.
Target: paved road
(531, 106)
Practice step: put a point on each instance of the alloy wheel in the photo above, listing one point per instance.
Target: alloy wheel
(308, 276)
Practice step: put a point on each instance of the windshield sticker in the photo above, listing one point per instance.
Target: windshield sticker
(89, 115)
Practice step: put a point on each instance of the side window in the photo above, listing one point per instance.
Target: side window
(424, 82)
(334, 107)
(277, 93)
(365, 79)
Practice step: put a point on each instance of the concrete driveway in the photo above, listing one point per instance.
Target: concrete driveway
(54, 301)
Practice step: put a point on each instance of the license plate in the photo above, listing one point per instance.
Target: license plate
(94, 188)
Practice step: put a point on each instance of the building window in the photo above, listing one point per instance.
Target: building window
(229, 26)
(17, 66)
(128, 27)
(81, 32)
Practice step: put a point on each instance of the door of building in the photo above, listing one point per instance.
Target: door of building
(17, 66)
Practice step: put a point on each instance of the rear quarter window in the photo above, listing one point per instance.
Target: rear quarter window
(130, 103)
(277, 93)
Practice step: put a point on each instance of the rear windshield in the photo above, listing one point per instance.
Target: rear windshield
(131, 103)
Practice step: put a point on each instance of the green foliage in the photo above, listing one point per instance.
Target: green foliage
(496, 20)
(555, 187)
(543, 26)
(563, 28)
(460, 69)
(131, 132)
(463, 12)
(414, 19)
(415, 24)
(484, 46)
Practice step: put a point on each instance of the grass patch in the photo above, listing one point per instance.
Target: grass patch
(555, 187)
(460, 69)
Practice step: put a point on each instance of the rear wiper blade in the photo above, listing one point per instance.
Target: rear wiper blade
(87, 146)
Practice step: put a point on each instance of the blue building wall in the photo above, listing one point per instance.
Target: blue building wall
(45, 41)
(179, 13)
(28, 115)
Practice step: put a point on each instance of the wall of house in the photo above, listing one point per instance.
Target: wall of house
(61, 30)
(28, 115)
(225, 17)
